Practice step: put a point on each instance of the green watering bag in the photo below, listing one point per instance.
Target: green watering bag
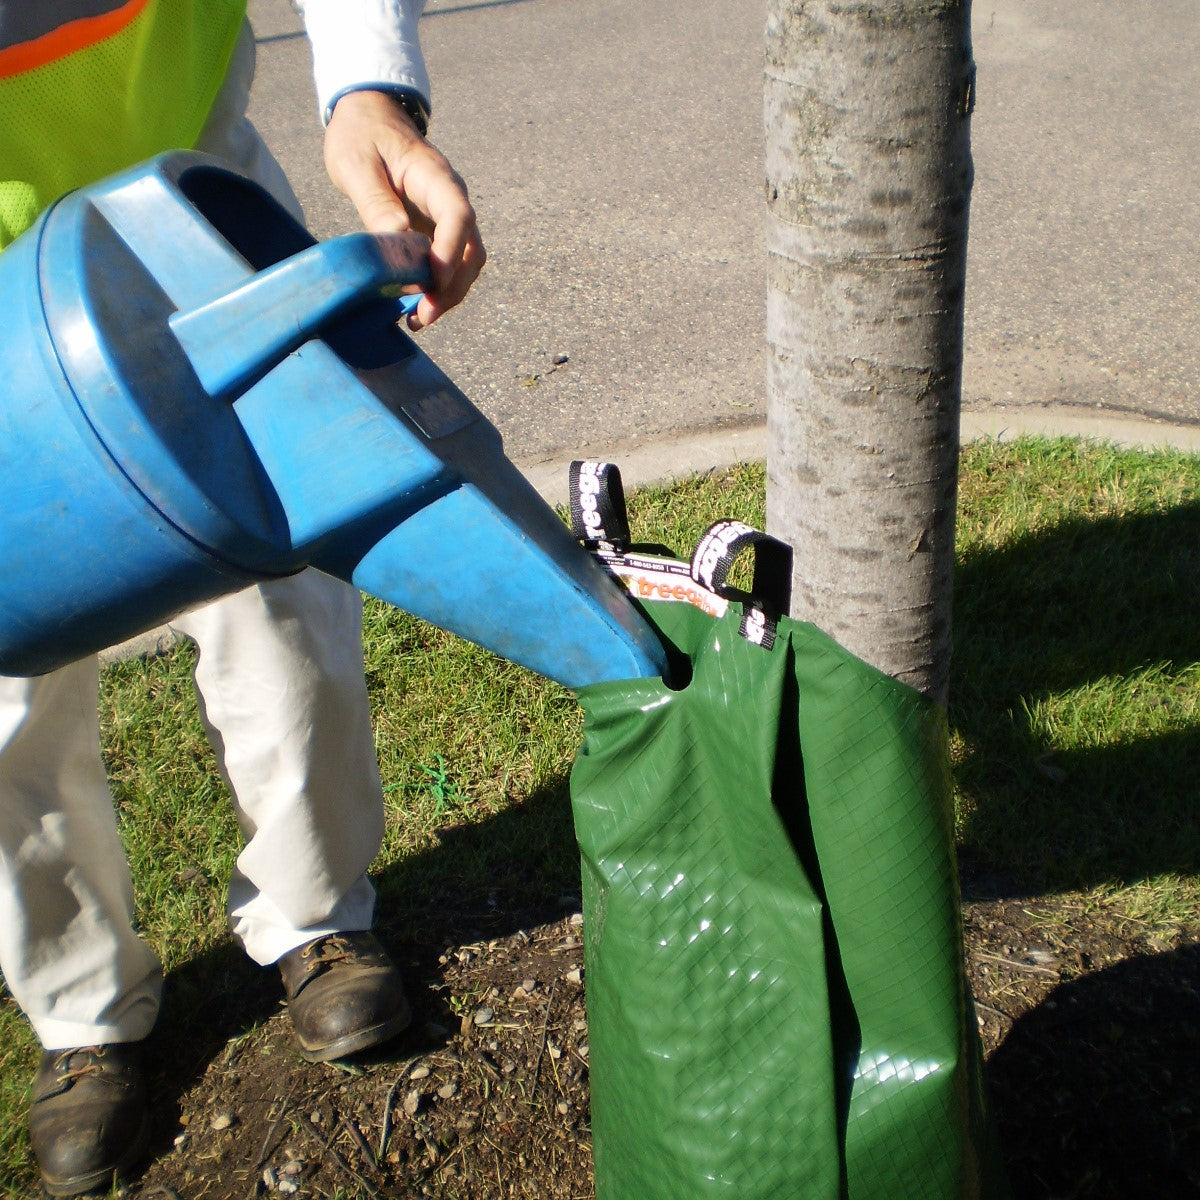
(776, 998)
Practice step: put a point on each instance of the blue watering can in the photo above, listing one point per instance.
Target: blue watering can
(200, 397)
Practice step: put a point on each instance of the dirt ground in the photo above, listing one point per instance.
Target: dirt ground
(1091, 1028)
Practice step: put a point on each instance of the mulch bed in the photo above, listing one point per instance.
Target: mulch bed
(1090, 1023)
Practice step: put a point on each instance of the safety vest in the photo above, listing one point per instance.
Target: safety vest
(88, 87)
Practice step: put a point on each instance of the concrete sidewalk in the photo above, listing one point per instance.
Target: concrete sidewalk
(661, 459)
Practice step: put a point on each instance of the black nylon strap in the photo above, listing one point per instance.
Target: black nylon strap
(719, 547)
(771, 589)
(600, 521)
(597, 499)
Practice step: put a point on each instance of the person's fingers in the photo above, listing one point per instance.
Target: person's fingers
(447, 295)
(457, 254)
(398, 181)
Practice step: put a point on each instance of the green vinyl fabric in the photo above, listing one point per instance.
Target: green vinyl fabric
(776, 998)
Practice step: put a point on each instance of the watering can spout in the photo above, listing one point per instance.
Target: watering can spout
(214, 399)
(404, 490)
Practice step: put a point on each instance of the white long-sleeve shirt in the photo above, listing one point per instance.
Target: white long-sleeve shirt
(360, 43)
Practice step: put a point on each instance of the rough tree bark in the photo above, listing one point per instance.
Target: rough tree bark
(867, 111)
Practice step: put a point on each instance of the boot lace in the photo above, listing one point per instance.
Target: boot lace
(68, 1071)
(326, 951)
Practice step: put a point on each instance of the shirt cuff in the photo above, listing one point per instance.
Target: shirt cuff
(411, 101)
(359, 44)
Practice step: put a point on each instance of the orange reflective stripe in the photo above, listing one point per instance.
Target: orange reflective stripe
(67, 39)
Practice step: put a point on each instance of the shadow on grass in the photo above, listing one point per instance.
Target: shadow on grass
(528, 856)
(1096, 1091)
(1082, 607)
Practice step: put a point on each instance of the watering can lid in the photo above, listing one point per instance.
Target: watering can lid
(136, 275)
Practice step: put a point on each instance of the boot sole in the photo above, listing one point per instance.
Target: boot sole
(357, 1042)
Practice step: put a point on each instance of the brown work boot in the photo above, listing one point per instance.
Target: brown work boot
(88, 1121)
(344, 995)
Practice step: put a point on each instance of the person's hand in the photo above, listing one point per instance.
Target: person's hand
(398, 181)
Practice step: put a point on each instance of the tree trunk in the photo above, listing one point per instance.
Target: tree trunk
(867, 110)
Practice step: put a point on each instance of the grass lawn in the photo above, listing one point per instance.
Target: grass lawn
(1075, 719)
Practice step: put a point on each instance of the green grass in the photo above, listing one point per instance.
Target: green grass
(1075, 731)
(1076, 677)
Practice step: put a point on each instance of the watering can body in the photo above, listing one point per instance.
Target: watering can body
(201, 397)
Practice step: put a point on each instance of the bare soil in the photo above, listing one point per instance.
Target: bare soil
(1090, 1023)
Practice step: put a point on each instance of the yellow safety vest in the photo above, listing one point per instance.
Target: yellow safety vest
(114, 83)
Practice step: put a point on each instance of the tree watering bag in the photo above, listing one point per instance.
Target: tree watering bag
(776, 998)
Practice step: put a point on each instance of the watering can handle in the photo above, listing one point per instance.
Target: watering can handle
(242, 334)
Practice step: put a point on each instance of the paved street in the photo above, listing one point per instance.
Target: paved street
(614, 152)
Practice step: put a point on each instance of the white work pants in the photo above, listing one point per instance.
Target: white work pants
(282, 695)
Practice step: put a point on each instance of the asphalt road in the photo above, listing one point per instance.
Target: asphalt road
(614, 153)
